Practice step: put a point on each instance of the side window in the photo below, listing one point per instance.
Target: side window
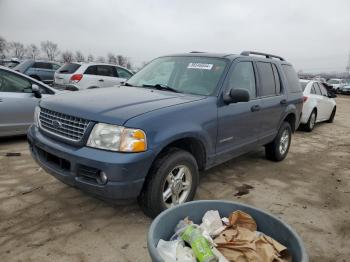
(105, 70)
(42, 65)
(55, 66)
(292, 79)
(243, 77)
(313, 91)
(277, 79)
(317, 89)
(323, 90)
(10, 82)
(91, 70)
(267, 79)
(123, 73)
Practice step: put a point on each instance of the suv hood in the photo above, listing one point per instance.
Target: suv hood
(114, 105)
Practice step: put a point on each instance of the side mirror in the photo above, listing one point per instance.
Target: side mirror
(36, 91)
(237, 95)
(332, 95)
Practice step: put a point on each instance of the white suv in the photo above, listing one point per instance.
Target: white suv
(79, 76)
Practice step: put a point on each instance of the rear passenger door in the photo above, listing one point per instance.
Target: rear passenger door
(238, 123)
(44, 70)
(273, 103)
(108, 75)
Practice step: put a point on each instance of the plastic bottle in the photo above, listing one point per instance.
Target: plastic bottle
(201, 249)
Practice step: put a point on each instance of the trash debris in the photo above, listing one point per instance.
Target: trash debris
(219, 239)
(243, 190)
(9, 154)
(192, 235)
(211, 223)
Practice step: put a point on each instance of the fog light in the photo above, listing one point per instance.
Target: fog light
(103, 177)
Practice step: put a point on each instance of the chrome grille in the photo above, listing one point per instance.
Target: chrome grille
(66, 126)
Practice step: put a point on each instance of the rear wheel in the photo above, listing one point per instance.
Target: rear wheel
(309, 126)
(278, 149)
(331, 118)
(172, 180)
(36, 77)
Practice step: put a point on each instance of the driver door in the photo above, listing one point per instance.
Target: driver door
(238, 123)
(17, 103)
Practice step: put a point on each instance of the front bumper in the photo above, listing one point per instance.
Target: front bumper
(78, 167)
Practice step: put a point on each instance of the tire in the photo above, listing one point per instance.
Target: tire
(158, 182)
(331, 118)
(278, 149)
(309, 126)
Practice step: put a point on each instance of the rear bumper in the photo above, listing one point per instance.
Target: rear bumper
(79, 166)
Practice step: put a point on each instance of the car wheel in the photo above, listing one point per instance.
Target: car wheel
(35, 77)
(172, 180)
(278, 149)
(331, 118)
(311, 122)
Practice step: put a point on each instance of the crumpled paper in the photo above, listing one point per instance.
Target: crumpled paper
(240, 242)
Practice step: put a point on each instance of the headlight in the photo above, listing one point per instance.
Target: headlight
(36, 116)
(117, 138)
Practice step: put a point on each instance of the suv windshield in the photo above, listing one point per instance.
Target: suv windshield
(194, 75)
(22, 67)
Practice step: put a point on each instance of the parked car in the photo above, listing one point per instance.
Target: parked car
(319, 104)
(39, 70)
(10, 63)
(177, 116)
(345, 90)
(19, 95)
(78, 76)
(337, 83)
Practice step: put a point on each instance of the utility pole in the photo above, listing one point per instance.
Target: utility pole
(347, 69)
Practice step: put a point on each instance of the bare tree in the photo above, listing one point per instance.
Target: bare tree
(122, 60)
(67, 56)
(101, 59)
(17, 49)
(51, 49)
(112, 59)
(128, 65)
(79, 56)
(3, 47)
(33, 51)
(90, 58)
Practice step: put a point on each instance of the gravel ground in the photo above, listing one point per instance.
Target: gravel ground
(41, 219)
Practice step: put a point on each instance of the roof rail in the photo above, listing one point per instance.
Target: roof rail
(247, 53)
(196, 52)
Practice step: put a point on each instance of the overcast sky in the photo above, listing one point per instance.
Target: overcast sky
(314, 35)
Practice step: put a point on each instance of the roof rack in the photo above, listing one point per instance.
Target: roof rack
(196, 52)
(247, 53)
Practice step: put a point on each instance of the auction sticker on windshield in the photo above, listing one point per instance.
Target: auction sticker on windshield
(200, 66)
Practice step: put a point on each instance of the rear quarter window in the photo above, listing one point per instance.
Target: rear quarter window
(292, 79)
(69, 68)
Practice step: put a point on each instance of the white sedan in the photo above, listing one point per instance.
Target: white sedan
(319, 105)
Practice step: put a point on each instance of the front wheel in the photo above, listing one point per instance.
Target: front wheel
(172, 180)
(278, 149)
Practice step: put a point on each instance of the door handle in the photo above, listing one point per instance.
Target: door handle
(255, 108)
(101, 80)
(283, 102)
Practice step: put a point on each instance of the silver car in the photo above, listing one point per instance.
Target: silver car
(19, 94)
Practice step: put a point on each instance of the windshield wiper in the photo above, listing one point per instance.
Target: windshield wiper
(162, 87)
(126, 84)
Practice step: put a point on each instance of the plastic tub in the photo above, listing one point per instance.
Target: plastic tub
(163, 225)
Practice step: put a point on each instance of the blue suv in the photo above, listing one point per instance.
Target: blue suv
(180, 114)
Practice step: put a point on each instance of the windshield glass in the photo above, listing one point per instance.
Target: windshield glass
(22, 67)
(195, 75)
(333, 81)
